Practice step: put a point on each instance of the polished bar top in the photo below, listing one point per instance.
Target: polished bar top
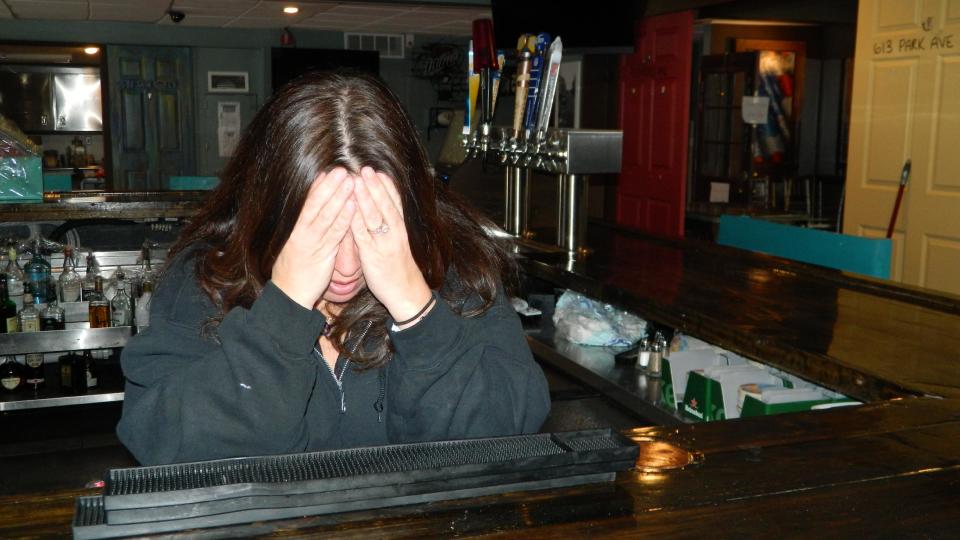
(105, 205)
(886, 469)
(867, 338)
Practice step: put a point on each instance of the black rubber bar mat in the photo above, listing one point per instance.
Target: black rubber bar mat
(240, 490)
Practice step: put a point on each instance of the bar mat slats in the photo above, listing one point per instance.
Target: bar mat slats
(176, 497)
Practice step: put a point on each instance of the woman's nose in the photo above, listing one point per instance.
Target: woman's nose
(348, 257)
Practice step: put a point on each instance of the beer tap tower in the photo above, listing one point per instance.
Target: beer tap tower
(529, 145)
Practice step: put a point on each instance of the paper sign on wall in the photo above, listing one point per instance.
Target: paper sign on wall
(754, 109)
(719, 192)
(228, 127)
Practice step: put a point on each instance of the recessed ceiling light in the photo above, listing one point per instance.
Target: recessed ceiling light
(91, 50)
(290, 10)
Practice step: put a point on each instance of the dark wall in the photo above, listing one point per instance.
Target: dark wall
(811, 11)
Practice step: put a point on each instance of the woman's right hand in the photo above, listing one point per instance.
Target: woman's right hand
(305, 264)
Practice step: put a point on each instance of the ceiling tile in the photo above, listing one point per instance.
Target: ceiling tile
(350, 19)
(149, 11)
(48, 10)
(331, 27)
(372, 10)
(198, 21)
(216, 11)
(229, 5)
(271, 10)
(315, 14)
(453, 11)
(250, 22)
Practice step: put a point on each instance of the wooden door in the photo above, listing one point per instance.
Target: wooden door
(151, 115)
(654, 117)
(906, 105)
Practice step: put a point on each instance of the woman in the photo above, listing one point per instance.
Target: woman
(329, 294)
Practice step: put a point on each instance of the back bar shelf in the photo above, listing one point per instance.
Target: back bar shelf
(109, 389)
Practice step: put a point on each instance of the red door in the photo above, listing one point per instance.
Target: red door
(654, 117)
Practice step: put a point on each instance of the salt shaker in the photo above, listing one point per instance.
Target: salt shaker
(643, 354)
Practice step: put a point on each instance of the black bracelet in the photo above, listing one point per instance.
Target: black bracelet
(419, 313)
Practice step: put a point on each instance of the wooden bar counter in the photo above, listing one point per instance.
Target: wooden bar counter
(889, 468)
(105, 205)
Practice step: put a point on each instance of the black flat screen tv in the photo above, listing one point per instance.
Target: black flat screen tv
(599, 26)
(288, 64)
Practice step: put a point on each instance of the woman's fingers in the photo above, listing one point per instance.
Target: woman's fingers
(323, 188)
(378, 192)
(334, 190)
(391, 188)
(314, 201)
(332, 209)
(361, 235)
(369, 211)
(338, 229)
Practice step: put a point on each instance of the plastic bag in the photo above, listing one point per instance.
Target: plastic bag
(585, 321)
(21, 175)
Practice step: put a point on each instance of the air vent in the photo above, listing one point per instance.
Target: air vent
(388, 45)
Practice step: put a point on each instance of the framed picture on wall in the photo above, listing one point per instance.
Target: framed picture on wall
(228, 82)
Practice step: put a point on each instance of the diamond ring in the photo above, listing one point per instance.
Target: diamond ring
(382, 229)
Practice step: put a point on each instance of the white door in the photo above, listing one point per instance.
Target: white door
(906, 105)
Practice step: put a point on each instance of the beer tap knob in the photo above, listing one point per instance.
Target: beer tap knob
(502, 145)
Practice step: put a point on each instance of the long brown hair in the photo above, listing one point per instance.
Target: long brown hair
(314, 124)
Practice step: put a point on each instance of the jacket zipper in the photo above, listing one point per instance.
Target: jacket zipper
(339, 380)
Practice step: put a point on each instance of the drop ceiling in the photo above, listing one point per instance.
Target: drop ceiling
(344, 16)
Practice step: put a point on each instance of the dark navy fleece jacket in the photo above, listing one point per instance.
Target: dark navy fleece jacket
(260, 388)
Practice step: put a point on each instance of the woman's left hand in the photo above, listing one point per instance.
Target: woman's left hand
(388, 266)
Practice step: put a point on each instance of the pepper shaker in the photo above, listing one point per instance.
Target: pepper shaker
(656, 357)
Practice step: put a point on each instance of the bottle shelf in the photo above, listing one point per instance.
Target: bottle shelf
(110, 389)
(40, 401)
(65, 340)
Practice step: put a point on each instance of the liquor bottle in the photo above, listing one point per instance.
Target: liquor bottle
(70, 286)
(34, 376)
(121, 306)
(146, 270)
(52, 317)
(38, 272)
(11, 374)
(99, 310)
(72, 376)
(141, 315)
(14, 278)
(93, 270)
(90, 371)
(9, 323)
(30, 316)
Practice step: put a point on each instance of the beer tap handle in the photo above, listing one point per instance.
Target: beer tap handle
(549, 87)
(520, 98)
(536, 75)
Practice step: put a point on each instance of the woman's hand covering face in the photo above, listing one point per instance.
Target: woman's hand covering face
(388, 266)
(324, 220)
